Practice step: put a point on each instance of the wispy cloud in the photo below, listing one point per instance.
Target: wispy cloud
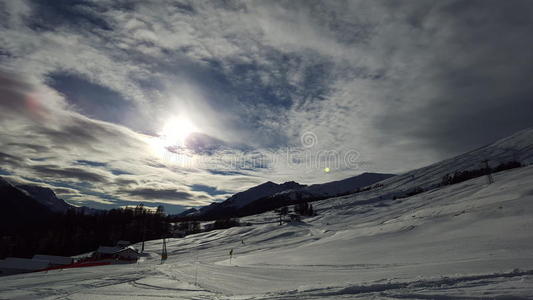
(402, 85)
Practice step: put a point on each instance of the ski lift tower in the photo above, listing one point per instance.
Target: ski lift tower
(164, 254)
(487, 169)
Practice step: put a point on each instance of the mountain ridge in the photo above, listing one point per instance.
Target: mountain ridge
(270, 195)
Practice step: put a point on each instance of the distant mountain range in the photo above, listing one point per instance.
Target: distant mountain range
(46, 197)
(18, 207)
(231, 205)
(270, 195)
(27, 203)
(517, 147)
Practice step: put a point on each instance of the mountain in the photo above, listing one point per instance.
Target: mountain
(314, 192)
(43, 196)
(449, 242)
(232, 205)
(18, 208)
(187, 212)
(270, 195)
(517, 147)
(263, 190)
(267, 196)
(347, 185)
(46, 197)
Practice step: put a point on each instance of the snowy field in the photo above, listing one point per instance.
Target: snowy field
(469, 240)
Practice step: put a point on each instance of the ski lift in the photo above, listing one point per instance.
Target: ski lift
(164, 254)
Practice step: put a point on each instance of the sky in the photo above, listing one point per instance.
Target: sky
(184, 103)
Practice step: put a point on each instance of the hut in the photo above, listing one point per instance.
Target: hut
(54, 259)
(15, 265)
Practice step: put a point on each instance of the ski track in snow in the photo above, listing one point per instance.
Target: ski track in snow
(465, 241)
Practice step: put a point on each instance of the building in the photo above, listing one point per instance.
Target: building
(54, 260)
(104, 252)
(209, 226)
(116, 253)
(15, 265)
(128, 253)
(123, 244)
(179, 234)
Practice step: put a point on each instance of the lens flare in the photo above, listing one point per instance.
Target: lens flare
(176, 130)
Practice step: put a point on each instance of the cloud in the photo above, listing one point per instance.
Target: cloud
(86, 87)
(50, 171)
(165, 195)
(162, 194)
(58, 190)
(90, 200)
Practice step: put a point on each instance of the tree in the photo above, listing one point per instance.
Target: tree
(139, 209)
(225, 223)
(160, 210)
(282, 212)
(304, 209)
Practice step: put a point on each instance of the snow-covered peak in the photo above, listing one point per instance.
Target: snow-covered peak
(263, 190)
(346, 185)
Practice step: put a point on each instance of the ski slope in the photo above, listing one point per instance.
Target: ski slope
(465, 240)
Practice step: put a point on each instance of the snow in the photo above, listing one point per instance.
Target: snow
(346, 185)
(464, 240)
(467, 240)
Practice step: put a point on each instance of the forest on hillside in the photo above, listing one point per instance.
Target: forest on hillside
(75, 232)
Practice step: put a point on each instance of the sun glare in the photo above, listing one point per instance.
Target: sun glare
(176, 130)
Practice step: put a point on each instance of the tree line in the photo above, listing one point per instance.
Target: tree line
(460, 176)
(75, 233)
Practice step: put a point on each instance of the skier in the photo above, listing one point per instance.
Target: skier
(230, 255)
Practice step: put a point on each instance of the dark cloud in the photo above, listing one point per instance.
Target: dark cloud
(65, 191)
(224, 172)
(161, 194)
(11, 161)
(204, 144)
(404, 84)
(100, 102)
(125, 181)
(476, 85)
(80, 132)
(91, 163)
(34, 147)
(79, 13)
(119, 172)
(208, 189)
(15, 96)
(52, 171)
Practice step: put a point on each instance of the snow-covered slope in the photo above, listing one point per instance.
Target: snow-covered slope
(46, 196)
(461, 241)
(346, 185)
(518, 147)
(470, 240)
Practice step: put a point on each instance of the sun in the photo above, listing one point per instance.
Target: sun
(176, 130)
